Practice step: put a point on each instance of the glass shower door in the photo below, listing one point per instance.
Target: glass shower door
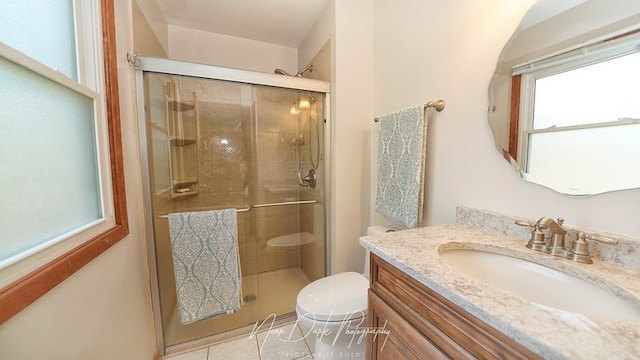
(289, 214)
(215, 144)
(200, 149)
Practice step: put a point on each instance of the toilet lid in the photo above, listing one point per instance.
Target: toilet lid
(337, 297)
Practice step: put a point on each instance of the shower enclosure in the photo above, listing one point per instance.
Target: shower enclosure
(216, 138)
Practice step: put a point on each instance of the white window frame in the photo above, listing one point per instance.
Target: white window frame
(599, 50)
(90, 83)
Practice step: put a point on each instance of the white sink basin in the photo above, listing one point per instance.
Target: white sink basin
(541, 285)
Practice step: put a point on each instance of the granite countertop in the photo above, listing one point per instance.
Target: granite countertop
(549, 332)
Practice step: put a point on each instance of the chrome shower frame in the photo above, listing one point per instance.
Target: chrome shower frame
(173, 67)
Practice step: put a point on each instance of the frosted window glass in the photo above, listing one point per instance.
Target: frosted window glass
(49, 182)
(602, 92)
(43, 30)
(587, 160)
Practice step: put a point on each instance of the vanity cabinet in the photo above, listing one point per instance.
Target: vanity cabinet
(408, 320)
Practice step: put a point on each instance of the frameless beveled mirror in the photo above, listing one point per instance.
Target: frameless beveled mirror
(564, 102)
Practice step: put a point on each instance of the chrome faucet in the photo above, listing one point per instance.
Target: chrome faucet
(554, 244)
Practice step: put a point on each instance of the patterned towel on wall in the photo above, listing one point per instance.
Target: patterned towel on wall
(206, 263)
(402, 144)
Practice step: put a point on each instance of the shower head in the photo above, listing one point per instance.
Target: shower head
(281, 72)
(299, 74)
(305, 69)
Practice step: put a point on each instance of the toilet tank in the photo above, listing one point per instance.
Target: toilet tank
(373, 231)
(378, 230)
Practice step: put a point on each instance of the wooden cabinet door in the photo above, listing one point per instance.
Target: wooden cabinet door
(391, 337)
(422, 324)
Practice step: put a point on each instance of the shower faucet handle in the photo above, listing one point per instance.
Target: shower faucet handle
(310, 179)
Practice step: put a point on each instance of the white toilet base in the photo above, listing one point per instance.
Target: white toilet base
(343, 349)
(335, 340)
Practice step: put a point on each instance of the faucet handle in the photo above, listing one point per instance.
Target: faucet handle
(530, 224)
(537, 241)
(525, 223)
(580, 248)
(600, 239)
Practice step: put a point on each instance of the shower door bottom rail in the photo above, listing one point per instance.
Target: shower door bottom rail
(257, 206)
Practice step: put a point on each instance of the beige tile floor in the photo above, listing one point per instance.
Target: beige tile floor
(279, 343)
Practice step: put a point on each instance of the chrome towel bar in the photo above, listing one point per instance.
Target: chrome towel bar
(438, 105)
(299, 202)
(256, 206)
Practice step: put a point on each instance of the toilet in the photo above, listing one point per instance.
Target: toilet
(332, 312)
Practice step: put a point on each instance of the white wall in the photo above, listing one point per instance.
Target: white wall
(321, 31)
(352, 121)
(229, 51)
(102, 311)
(156, 21)
(144, 38)
(426, 50)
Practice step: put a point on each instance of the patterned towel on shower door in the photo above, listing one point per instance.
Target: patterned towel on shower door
(206, 263)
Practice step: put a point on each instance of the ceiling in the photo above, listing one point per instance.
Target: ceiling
(545, 9)
(282, 22)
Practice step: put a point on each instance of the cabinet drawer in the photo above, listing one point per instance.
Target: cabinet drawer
(453, 330)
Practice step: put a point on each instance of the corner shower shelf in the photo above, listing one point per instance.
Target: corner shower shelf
(183, 183)
(184, 187)
(182, 129)
(178, 106)
(181, 142)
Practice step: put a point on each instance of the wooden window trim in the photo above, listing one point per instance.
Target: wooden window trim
(514, 119)
(20, 294)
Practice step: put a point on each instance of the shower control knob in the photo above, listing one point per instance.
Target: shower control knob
(311, 179)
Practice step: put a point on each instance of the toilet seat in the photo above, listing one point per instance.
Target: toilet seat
(334, 298)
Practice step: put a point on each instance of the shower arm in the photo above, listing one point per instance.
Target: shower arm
(299, 74)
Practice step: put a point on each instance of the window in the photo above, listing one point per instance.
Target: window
(61, 171)
(579, 117)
